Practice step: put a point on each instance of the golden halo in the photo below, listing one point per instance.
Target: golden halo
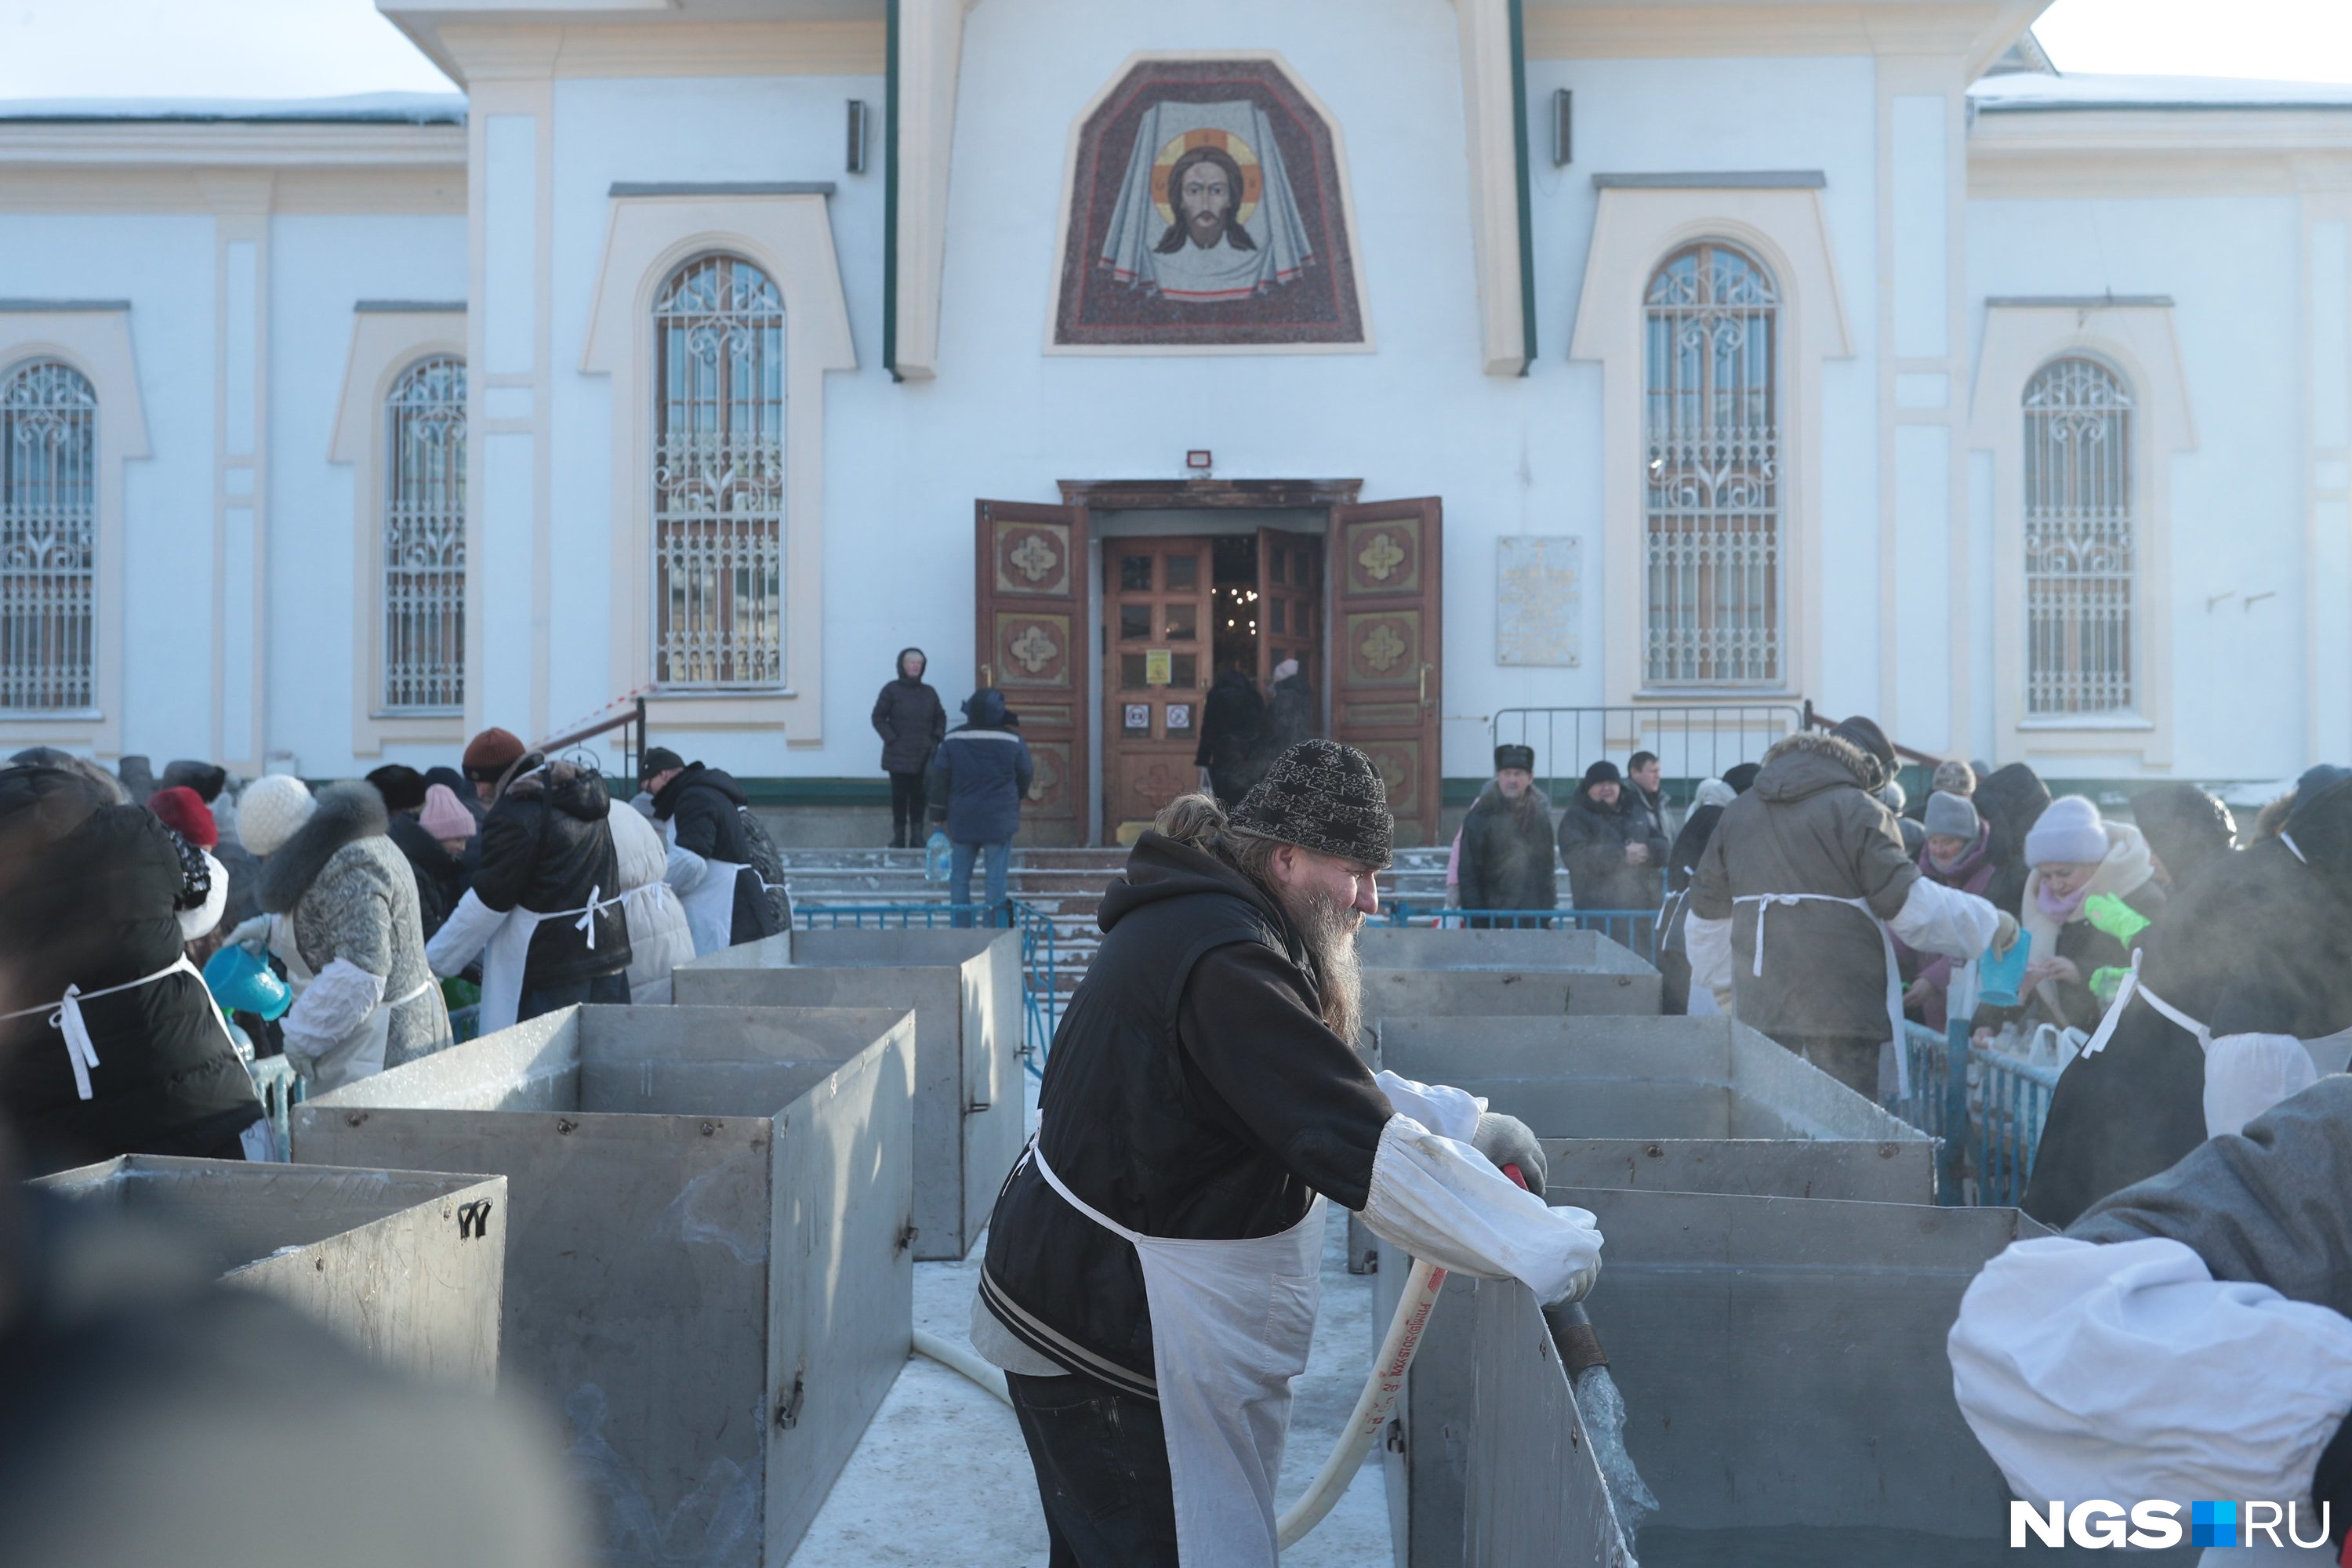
(1233, 146)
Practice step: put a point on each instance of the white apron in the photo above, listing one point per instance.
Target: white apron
(710, 907)
(82, 1052)
(509, 948)
(1232, 1322)
(1764, 901)
(359, 1054)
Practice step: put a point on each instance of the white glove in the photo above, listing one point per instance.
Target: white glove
(1507, 1141)
(1580, 1285)
(304, 1066)
(252, 935)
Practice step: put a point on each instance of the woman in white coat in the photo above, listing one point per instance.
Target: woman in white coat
(659, 937)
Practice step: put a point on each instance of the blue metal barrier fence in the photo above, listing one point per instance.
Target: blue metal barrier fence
(1989, 1114)
(1040, 954)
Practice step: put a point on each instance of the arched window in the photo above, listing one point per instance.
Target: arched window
(48, 538)
(2080, 555)
(425, 537)
(1711, 506)
(718, 477)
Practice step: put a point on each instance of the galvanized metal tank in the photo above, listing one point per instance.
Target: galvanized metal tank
(707, 1273)
(411, 1265)
(1696, 1104)
(964, 986)
(1427, 973)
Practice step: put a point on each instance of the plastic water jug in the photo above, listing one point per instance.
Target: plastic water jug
(936, 854)
(243, 982)
(1999, 974)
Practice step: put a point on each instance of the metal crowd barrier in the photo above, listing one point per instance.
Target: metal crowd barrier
(1989, 1115)
(1039, 951)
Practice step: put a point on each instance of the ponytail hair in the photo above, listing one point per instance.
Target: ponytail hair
(1192, 820)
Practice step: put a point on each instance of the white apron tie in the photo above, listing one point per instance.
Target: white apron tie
(1764, 901)
(1232, 1322)
(80, 1050)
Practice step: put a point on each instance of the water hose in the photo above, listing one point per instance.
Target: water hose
(955, 1358)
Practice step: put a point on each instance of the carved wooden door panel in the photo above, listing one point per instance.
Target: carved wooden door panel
(1156, 672)
(1032, 635)
(1386, 631)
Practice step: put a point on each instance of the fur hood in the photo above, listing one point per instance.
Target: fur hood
(2272, 817)
(345, 813)
(1813, 760)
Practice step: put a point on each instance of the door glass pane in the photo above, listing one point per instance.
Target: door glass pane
(1131, 671)
(1306, 619)
(1280, 607)
(1281, 562)
(1186, 671)
(1135, 574)
(1182, 622)
(1184, 572)
(1134, 622)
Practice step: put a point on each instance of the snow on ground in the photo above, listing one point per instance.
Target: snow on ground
(941, 1478)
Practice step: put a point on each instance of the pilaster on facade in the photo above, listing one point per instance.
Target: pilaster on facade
(1491, 88)
(927, 59)
(2326, 237)
(241, 202)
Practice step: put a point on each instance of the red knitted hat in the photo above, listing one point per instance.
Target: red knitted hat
(490, 753)
(183, 811)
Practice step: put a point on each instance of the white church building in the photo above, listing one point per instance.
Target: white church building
(1484, 355)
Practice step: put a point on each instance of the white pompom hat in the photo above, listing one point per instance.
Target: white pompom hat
(271, 810)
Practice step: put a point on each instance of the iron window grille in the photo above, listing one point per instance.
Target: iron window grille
(718, 477)
(1713, 544)
(48, 539)
(424, 539)
(2081, 557)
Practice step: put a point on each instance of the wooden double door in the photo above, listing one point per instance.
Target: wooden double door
(1358, 606)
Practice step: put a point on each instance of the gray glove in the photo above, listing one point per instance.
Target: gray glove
(1507, 1141)
(253, 934)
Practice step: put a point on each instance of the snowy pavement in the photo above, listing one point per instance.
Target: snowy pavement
(941, 1478)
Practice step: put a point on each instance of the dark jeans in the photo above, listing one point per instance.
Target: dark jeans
(606, 990)
(907, 799)
(1102, 1473)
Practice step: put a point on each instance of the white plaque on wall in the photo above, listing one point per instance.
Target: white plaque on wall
(1540, 599)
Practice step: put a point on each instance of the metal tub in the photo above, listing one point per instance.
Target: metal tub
(709, 1271)
(1674, 1104)
(1428, 972)
(964, 986)
(409, 1264)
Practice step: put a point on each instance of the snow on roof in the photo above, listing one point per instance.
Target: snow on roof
(366, 108)
(2025, 93)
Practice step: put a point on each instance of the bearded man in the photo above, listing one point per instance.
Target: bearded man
(1154, 1261)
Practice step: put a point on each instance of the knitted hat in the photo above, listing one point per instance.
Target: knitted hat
(1520, 757)
(2069, 834)
(1602, 771)
(402, 787)
(490, 753)
(207, 779)
(1715, 793)
(1742, 776)
(1324, 796)
(1952, 815)
(444, 815)
(657, 759)
(183, 811)
(1954, 777)
(271, 810)
(1864, 733)
(1891, 796)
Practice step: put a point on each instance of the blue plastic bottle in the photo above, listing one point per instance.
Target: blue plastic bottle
(935, 856)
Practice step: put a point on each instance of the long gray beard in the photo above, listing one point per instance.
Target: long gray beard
(1328, 930)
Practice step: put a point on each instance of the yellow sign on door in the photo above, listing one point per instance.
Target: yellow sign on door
(1156, 666)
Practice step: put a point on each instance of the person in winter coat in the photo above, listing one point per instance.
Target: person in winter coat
(2256, 950)
(1291, 715)
(1681, 866)
(544, 910)
(1915, 834)
(344, 922)
(1233, 728)
(1149, 1281)
(911, 721)
(440, 878)
(1643, 790)
(2075, 858)
(2189, 1337)
(458, 785)
(99, 899)
(980, 776)
(1615, 854)
(2011, 800)
(1803, 889)
(2186, 829)
(700, 810)
(1957, 853)
(1509, 857)
(660, 936)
